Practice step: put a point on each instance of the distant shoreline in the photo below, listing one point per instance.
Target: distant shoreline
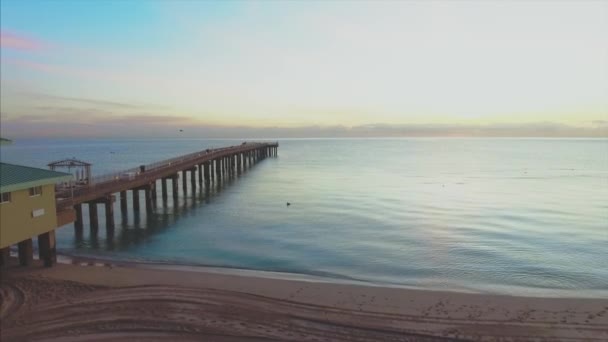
(430, 137)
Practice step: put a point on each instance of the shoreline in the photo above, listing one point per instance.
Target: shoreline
(516, 291)
(81, 303)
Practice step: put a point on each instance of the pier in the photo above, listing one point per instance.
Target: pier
(203, 169)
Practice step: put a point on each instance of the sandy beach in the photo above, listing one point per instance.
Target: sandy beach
(101, 303)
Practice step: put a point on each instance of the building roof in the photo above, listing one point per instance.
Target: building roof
(18, 177)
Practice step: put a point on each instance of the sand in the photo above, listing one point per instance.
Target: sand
(93, 303)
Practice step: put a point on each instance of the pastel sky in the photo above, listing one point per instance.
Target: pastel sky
(303, 68)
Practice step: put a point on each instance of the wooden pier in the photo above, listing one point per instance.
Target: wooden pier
(206, 168)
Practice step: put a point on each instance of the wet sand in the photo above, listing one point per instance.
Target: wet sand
(92, 303)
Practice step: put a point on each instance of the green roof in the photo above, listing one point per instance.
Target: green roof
(18, 177)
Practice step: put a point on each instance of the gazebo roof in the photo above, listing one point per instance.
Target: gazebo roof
(69, 163)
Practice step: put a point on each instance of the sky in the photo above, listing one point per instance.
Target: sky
(303, 68)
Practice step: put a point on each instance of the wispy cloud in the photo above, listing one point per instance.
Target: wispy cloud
(11, 40)
(96, 102)
(106, 74)
(74, 122)
(97, 124)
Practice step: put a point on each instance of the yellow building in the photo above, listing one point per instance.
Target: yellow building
(27, 210)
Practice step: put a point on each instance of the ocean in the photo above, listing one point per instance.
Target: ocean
(509, 216)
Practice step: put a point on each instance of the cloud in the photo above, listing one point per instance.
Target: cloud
(11, 40)
(83, 100)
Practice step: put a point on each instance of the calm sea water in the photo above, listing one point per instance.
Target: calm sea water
(516, 216)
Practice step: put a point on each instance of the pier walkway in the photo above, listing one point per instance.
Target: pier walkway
(205, 167)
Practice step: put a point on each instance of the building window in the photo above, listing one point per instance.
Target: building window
(6, 197)
(35, 191)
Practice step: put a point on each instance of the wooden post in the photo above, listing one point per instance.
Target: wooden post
(109, 213)
(163, 185)
(184, 182)
(78, 223)
(46, 248)
(200, 175)
(26, 252)
(148, 197)
(206, 168)
(154, 196)
(123, 204)
(93, 220)
(193, 180)
(238, 163)
(135, 193)
(218, 170)
(5, 256)
(174, 186)
(211, 172)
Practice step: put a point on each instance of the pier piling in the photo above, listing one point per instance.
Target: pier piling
(5, 254)
(193, 180)
(163, 185)
(174, 187)
(78, 223)
(109, 209)
(135, 194)
(26, 252)
(123, 204)
(46, 248)
(93, 218)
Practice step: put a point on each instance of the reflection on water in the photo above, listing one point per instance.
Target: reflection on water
(523, 216)
(136, 227)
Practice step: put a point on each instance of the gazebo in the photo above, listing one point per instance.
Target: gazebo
(82, 170)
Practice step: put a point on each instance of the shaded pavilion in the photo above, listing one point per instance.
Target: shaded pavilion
(79, 169)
